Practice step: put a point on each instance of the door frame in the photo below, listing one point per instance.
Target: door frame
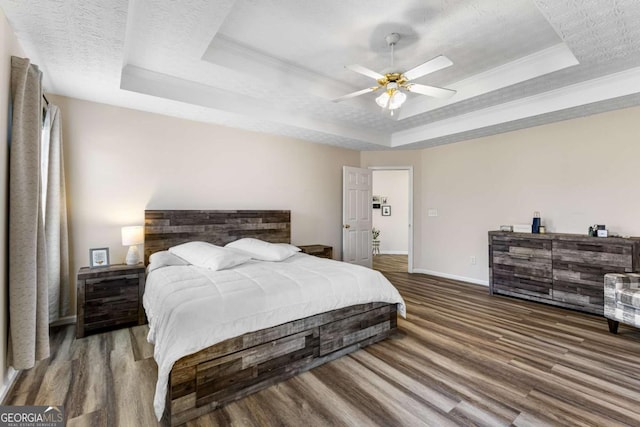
(411, 228)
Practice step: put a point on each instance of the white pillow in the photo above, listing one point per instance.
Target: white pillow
(164, 259)
(206, 255)
(265, 251)
(291, 247)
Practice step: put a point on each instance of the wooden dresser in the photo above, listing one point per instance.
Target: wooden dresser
(566, 270)
(110, 298)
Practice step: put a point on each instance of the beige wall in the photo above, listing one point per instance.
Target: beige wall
(576, 173)
(121, 161)
(394, 229)
(8, 46)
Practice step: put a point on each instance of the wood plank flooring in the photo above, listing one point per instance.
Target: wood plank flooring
(391, 263)
(461, 358)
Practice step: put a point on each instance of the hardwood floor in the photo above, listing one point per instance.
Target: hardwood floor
(391, 263)
(461, 358)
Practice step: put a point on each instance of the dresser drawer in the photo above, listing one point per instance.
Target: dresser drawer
(522, 266)
(579, 269)
(594, 254)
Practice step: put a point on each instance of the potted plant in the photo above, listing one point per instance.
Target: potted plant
(376, 233)
(376, 243)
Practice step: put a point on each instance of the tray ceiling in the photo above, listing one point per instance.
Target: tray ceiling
(275, 65)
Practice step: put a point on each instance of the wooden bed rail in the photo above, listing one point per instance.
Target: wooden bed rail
(206, 380)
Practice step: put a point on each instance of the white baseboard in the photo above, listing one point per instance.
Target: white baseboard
(11, 376)
(69, 320)
(452, 276)
(394, 252)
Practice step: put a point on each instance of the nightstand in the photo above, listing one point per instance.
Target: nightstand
(321, 251)
(109, 298)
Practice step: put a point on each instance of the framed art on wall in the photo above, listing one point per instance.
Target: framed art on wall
(386, 210)
(376, 202)
(99, 257)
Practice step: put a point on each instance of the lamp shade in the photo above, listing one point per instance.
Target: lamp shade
(133, 235)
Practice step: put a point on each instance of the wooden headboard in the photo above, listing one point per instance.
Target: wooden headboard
(166, 228)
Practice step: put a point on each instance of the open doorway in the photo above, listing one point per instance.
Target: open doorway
(392, 215)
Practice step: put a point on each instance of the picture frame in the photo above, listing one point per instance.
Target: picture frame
(376, 202)
(386, 210)
(99, 257)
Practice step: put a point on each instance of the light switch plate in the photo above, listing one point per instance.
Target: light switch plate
(432, 212)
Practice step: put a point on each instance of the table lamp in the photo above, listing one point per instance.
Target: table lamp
(132, 236)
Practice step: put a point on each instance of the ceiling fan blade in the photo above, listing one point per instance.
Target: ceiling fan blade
(365, 71)
(432, 65)
(358, 93)
(436, 92)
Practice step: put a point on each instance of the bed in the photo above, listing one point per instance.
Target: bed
(208, 356)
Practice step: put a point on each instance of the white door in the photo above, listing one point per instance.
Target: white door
(356, 216)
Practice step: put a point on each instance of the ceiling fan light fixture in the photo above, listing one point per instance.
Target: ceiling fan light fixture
(383, 99)
(392, 98)
(397, 99)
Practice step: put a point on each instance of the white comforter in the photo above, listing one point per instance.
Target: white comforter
(191, 308)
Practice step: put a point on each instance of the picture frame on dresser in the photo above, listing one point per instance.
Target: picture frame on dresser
(98, 257)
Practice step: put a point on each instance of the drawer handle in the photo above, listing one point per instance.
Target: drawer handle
(521, 256)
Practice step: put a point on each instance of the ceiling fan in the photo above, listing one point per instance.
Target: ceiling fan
(395, 82)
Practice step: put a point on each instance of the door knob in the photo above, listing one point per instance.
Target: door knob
(347, 226)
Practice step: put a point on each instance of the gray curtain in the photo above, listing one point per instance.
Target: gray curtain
(28, 291)
(55, 215)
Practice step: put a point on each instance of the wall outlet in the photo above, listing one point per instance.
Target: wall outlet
(473, 260)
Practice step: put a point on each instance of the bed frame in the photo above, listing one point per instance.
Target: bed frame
(202, 382)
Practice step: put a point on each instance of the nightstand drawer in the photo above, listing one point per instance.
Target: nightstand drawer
(128, 314)
(109, 323)
(113, 305)
(105, 289)
(110, 298)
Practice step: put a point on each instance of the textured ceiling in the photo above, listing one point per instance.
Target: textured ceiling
(275, 65)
